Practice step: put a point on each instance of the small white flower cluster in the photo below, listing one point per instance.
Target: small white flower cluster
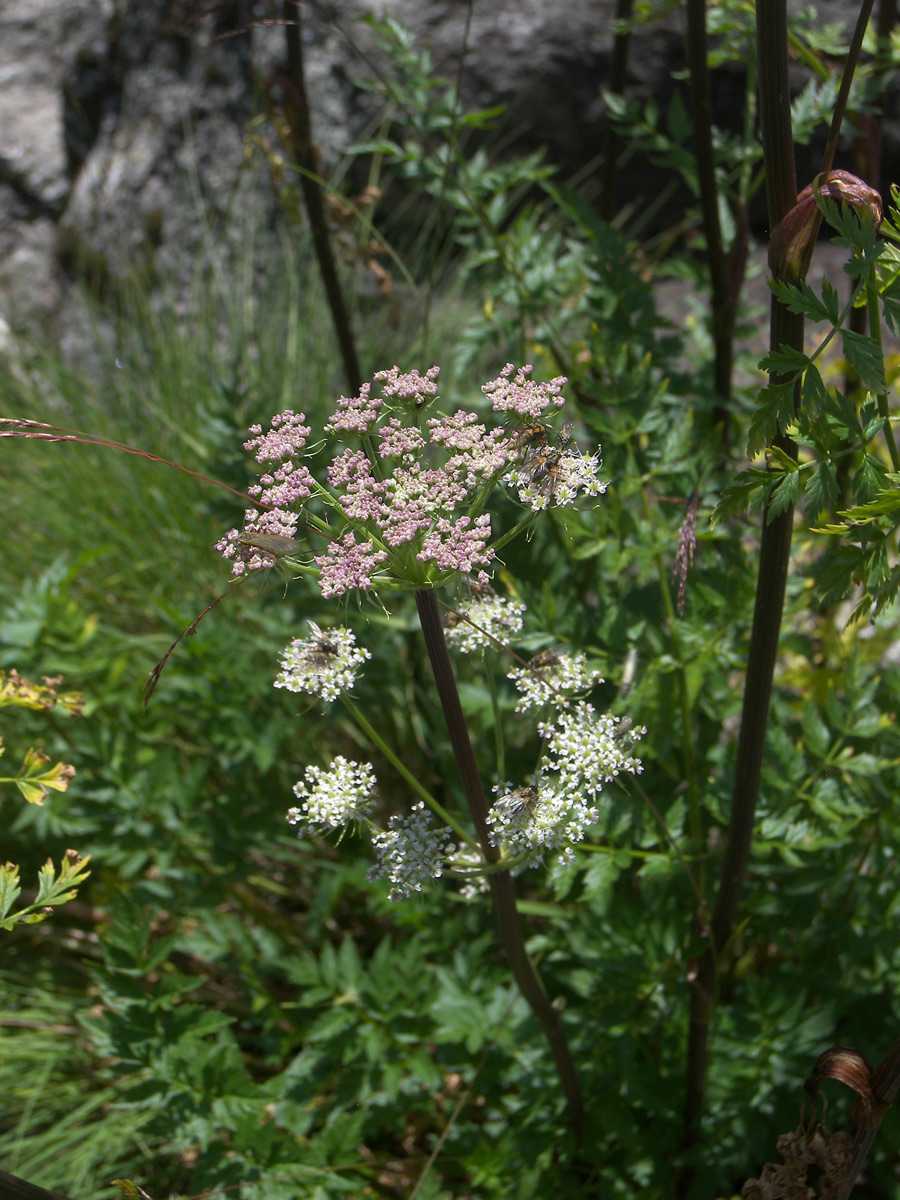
(530, 822)
(468, 865)
(563, 676)
(570, 472)
(585, 751)
(409, 851)
(331, 798)
(488, 617)
(324, 664)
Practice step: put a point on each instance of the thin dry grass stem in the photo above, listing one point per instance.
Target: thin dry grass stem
(153, 680)
(40, 431)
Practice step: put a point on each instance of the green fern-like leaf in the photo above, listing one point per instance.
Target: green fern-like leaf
(865, 357)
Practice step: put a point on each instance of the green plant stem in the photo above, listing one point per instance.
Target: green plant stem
(785, 329)
(403, 770)
(297, 106)
(883, 406)
(724, 290)
(667, 834)
(503, 892)
(867, 145)
(519, 527)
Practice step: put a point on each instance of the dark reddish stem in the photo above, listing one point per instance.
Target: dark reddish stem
(297, 110)
(502, 887)
(786, 329)
(725, 271)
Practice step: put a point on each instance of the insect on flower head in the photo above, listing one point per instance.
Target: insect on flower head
(270, 543)
(518, 801)
(551, 657)
(323, 664)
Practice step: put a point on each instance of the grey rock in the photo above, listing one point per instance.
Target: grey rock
(123, 122)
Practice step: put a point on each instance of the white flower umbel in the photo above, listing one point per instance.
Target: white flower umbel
(496, 618)
(409, 851)
(585, 751)
(332, 798)
(468, 866)
(563, 677)
(530, 822)
(568, 474)
(324, 664)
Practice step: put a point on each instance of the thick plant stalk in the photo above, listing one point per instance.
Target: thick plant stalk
(14, 1188)
(297, 108)
(785, 329)
(502, 886)
(885, 1086)
(725, 270)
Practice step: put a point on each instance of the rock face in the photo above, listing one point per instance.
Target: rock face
(39, 40)
(123, 123)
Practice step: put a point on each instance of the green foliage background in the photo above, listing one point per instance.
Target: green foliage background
(227, 1007)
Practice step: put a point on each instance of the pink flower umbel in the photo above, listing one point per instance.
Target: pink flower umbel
(347, 565)
(523, 396)
(404, 506)
(355, 415)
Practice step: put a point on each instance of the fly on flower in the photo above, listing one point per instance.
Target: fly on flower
(539, 465)
(542, 468)
(323, 664)
(319, 650)
(547, 658)
(269, 543)
(481, 591)
(518, 801)
(529, 437)
(533, 439)
(621, 728)
(553, 472)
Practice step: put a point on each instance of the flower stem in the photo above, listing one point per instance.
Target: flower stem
(403, 770)
(618, 69)
(883, 407)
(502, 887)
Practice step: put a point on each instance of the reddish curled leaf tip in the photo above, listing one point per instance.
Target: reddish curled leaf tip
(851, 1067)
(793, 238)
